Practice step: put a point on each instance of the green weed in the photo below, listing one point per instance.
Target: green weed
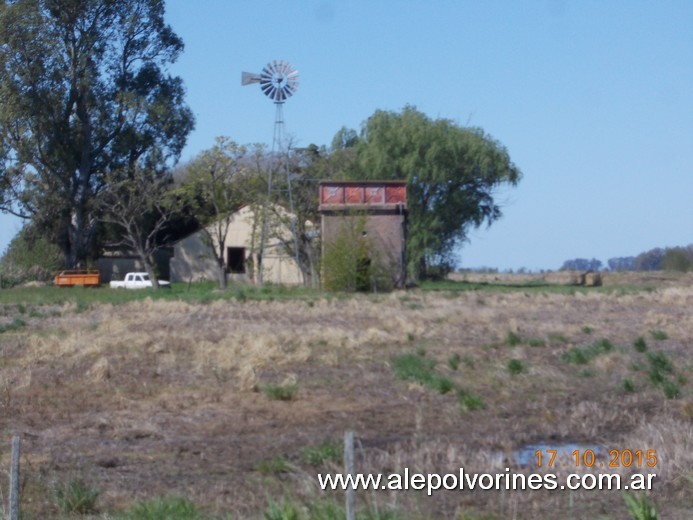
(640, 508)
(659, 361)
(413, 367)
(640, 345)
(441, 384)
(671, 389)
(280, 392)
(325, 452)
(470, 402)
(15, 325)
(513, 339)
(166, 508)
(583, 355)
(76, 497)
(628, 385)
(454, 361)
(659, 335)
(274, 466)
(515, 366)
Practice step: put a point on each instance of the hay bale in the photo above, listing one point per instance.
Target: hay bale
(593, 279)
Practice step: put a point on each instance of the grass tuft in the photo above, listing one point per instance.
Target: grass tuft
(583, 355)
(469, 402)
(76, 497)
(513, 339)
(163, 509)
(515, 366)
(280, 392)
(659, 335)
(640, 345)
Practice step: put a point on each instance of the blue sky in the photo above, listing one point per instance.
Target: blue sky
(593, 99)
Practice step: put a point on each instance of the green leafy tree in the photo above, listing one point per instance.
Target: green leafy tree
(215, 185)
(85, 97)
(451, 172)
(29, 257)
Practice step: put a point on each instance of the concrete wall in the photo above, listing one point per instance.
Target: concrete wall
(193, 256)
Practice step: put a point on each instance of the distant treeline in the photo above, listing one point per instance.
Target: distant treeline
(657, 259)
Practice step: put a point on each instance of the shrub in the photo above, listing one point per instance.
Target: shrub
(351, 263)
(29, 257)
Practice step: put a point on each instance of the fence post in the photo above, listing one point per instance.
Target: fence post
(349, 470)
(14, 479)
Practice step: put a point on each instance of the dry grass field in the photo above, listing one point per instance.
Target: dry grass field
(238, 403)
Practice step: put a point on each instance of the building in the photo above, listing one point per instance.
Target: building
(370, 217)
(193, 257)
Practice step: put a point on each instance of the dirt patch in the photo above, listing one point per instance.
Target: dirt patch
(155, 398)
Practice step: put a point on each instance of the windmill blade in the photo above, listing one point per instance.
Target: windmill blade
(248, 77)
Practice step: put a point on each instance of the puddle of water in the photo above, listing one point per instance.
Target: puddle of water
(527, 455)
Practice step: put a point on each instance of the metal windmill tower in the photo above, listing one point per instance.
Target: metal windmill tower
(278, 81)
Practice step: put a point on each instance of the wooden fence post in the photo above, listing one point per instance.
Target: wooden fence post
(349, 470)
(14, 479)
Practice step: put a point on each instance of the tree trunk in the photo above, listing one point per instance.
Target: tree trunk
(222, 277)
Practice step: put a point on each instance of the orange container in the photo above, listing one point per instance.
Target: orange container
(87, 278)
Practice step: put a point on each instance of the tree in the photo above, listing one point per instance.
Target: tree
(451, 175)
(85, 98)
(650, 260)
(621, 263)
(215, 185)
(28, 257)
(581, 264)
(140, 207)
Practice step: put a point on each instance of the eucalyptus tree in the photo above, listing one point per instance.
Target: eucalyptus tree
(85, 96)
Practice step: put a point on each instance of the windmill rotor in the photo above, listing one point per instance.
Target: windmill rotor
(278, 80)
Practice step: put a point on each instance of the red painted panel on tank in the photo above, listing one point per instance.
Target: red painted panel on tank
(375, 195)
(353, 195)
(395, 194)
(332, 195)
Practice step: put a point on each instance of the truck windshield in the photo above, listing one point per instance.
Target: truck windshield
(145, 277)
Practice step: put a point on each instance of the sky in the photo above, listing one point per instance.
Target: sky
(592, 99)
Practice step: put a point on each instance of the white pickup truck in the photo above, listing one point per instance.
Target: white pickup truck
(136, 281)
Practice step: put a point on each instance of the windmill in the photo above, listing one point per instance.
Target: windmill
(278, 81)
